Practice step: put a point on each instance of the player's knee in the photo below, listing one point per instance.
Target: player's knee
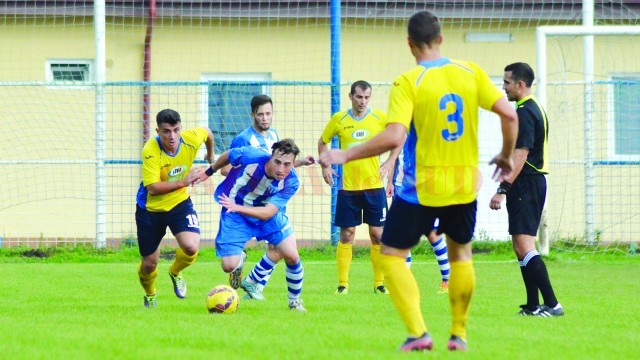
(228, 264)
(292, 259)
(375, 234)
(347, 235)
(227, 268)
(274, 255)
(149, 265)
(190, 249)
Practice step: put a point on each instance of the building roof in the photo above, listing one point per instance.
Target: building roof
(569, 10)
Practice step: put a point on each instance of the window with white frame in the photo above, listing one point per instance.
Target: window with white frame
(624, 117)
(69, 71)
(227, 103)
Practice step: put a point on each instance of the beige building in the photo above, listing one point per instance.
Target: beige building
(206, 59)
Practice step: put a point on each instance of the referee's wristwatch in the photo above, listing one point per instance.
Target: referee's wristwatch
(504, 187)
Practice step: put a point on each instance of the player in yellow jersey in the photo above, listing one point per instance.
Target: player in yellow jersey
(163, 200)
(360, 191)
(437, 103)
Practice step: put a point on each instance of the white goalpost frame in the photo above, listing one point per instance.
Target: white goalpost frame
(101, 175)
(588, 31)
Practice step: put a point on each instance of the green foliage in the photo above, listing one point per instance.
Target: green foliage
(564, 248)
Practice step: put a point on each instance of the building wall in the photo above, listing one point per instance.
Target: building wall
(53, 123)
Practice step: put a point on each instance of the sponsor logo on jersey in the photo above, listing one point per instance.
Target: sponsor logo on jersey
(176, 171)
(360, 134)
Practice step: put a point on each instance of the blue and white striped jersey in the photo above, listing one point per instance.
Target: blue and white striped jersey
(248, 184)
(250, 137)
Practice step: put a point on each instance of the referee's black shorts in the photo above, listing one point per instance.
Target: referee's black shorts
(525, 201)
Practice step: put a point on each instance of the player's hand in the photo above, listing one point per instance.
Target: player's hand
(306, 161)
(229, 204)
(202, 177)
(504, 167)
(194, 175)
(209, 157)
(328, 174)
(332, 157)
(496, 201)
(390, 190)
(385, 168)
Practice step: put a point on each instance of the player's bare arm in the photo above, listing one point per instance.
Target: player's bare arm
(259, 212)
(305, 161)
(390, 188)
(509, 124)
(389, 166)
(393, 136)
(165, 187)
(222, 161)
(210, 155)
(327, 172)
(519, 158)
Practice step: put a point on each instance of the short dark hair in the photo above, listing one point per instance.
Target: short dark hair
(521, 72)
(258, 101)
(285, 146)
(168, 116)
(423, 28)
(359, 84)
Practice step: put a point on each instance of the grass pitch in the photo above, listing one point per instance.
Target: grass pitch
(84, 309)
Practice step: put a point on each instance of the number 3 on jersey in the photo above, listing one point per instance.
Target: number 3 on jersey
(455, 116)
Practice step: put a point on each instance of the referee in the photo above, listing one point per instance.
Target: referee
(527, 192)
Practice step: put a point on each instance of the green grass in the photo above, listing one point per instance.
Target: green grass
(87, 304)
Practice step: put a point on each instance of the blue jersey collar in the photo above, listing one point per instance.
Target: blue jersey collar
(435, 63)
(350, 112)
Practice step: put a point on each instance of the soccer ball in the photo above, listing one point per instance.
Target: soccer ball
(222, 299)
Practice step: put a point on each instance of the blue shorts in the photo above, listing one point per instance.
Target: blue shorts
(407, 222)
(152, 226)
(235, 230)
(525, 201)
(353, 206)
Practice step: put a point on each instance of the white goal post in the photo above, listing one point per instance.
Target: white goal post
(588, 32)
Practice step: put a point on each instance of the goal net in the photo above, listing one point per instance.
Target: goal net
(81, 82)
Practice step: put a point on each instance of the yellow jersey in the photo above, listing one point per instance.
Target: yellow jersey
(437, 101)
(360, 174)
(159, 166)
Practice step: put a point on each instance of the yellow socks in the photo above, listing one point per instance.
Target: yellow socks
(461, 285)
(404, 293)
(378, 276)
(148, 281)
(343, 256)
(181, 261)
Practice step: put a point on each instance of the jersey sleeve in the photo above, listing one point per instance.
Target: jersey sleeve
(150, 166)
(330, 130)
(488, 93)
(246, 155)
(526, 129)
(401, 102)
(291, 185)
(235, 156)
(238, 141)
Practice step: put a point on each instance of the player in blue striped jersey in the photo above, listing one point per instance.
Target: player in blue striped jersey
(254, 196)
(261, 135)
